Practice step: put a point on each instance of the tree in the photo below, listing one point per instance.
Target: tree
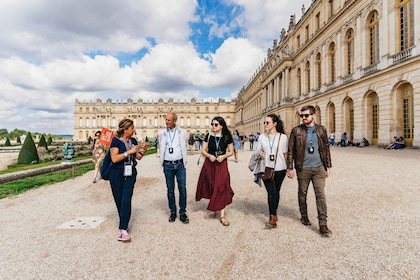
(42, 142)
(18, 140)
(49, 141)
(89, 140)
(7, 143)
(28, 153)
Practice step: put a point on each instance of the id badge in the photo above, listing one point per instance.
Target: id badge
(171, 150)
(128, 169)
(272, 157)
(311, 150)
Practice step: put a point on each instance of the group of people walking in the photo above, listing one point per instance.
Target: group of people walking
(306, 150)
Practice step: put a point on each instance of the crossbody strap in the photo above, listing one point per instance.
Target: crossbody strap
(277, 151)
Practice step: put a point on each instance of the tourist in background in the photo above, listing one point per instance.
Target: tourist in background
(124, 152)
(309, 152)
(214, 180)
(98, 154)
(173, 158)
(236, 144)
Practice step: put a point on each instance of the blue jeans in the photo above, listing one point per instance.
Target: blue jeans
(122, 190)
(171, 171)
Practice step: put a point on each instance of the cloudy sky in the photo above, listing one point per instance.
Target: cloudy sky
(55, 51)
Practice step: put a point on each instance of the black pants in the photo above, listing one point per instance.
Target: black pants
(273, 191)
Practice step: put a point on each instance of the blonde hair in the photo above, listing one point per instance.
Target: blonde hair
(123, 125)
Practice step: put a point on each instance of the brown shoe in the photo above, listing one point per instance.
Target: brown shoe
(304, 220)
(272, 221)
(323, 230)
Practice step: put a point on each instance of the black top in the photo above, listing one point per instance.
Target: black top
(214, 142)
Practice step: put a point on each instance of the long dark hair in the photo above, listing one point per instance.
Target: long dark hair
(276, 119)
(225, 131)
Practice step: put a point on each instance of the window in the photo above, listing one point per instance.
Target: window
(299, 82)
(319, 70)
(373, 26)
(308, 77)
(306, 33)
(406, 8)
(350, 51)
(331, 8)
(298, 41)
(317, 22)
(332, 61)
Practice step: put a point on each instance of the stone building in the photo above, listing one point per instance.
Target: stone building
(148, 117)
(357, 62)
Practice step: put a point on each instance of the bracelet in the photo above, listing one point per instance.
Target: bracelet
(142, 154)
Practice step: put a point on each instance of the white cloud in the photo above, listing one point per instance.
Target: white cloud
(53, 52)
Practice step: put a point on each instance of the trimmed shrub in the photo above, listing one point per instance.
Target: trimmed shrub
(18, 140)
(7, 143)
(42, 143)
(28, 153)
(89, 140)
(49, 141)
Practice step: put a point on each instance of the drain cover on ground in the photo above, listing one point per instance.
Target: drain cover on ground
(83, 223)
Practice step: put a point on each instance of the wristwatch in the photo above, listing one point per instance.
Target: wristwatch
(125, 154)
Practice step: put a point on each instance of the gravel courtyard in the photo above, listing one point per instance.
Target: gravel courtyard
(373, 198)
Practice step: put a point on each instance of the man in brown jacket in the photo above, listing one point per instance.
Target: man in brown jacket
(310, 151)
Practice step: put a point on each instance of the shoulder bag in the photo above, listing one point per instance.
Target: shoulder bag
(269, 172)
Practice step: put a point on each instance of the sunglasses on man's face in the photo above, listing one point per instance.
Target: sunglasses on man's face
(305, 115)
(215, 124)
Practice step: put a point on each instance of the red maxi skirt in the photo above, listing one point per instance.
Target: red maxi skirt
(214, 184)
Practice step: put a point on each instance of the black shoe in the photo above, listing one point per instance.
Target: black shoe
(184, 218)
(172, 217)
(304, 220)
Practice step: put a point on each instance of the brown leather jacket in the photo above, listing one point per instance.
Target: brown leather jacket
(297, 146)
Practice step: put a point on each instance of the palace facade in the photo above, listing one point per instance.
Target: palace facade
(357, 62)
(148, 117)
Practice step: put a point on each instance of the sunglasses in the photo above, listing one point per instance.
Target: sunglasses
(266, 122)
(96, 135)
(215, 124)
(305, 115)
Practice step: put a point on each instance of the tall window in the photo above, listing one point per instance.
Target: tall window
(406, 8)
(298, 41)
(350, 51)
(332, 61)
(299, 82)
(317, 22)
(373, 38)
(319, 70)
(308, 77)
(375, 117)
(408, 113)
(307, 33)
(331, 8)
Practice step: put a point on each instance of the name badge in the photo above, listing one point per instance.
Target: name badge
(311, 150)
(272, 157)
(171, 150)
(128, 169)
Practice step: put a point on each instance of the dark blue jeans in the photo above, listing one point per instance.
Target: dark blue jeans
(273, 191)
(171, 171)
(122, 190)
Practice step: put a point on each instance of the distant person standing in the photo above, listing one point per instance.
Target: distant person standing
(173, 158)
(309, 150)
(332, 138)
(124, 151)
(251, 141)
(98, 154)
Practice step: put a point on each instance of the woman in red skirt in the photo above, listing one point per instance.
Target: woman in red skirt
(214, 180)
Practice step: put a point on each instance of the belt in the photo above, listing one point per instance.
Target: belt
(174, 161)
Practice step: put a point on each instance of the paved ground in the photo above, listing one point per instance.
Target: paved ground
(373, 203)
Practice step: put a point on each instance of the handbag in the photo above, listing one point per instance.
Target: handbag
(269, 172)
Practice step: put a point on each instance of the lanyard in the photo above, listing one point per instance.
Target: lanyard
(311, 138)
(271, 144)
(128, 146)
(171, 137)
(217, 141)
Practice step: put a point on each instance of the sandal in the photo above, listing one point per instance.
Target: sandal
(212, 214)
(224, 221)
